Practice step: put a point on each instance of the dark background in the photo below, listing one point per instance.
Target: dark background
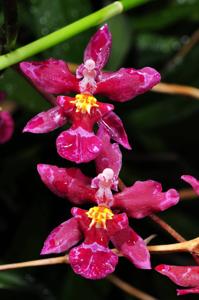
(163, 130)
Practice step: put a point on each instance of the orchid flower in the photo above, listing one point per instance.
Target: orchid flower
(79, 143)
(102, 223)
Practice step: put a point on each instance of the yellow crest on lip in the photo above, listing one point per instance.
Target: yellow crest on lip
(99, 216)
(84, 103)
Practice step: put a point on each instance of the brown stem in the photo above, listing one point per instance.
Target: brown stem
(168, 88)
(129, 289)
(187, 194)
(167, 228)
(187, 246)
(36, 263)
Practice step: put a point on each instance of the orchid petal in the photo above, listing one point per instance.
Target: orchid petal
(192, 181)
(99, 47)
(187, 276)
(62, 237)
(78, 145)
(145, 198)
(126, 84)
(6, 126)
(181, 292)
(132, 246)
(113, 125)
(46, 121)
(52, 76)
(68, 183)
(92, 261)
(110, 155)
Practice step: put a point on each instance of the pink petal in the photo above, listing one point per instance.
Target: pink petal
(99, 47)
(110, 155)
(46, 121)
(52, 76)
(125, 84)
(6, 126)
(62, 237)
(187, 276)
(68, 183)
(132, 246)
(78, 145)
(192, 181)
(188, 291)
(114, 126)
(92, 261)
(145, 198)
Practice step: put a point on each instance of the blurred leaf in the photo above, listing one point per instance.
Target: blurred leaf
(121, 40)
(167, 16)
(11, 280)
(20, 91)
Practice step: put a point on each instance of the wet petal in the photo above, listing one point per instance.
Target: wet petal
(68, 183)
(114, 126)
(126, 84)
(132, 246)
(187, 276)
(110, 155)
(78, 145)
(145, 198)
(62, 237)
(192, 181)
(99, 47)
(6, 126)
(52, 76)
(188, 291)
(92, 261)
(46, 121)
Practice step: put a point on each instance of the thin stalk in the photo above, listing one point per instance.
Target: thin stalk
(66, 32)
(187, 246)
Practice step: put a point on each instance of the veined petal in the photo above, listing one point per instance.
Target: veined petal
(68, 183)
(192, 181)
(62, 237)
(114, 126)
(110, 155)
(52, 76)
(78, 145)
(6, 126)
(99, 47)
(187, 276)
(145, 198)
(132, 246)
(92, 261)
(46, 121)
(126, 84)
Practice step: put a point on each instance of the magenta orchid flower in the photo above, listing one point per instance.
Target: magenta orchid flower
(101, 224)
(6, 123)
(186, 276)
(79, 143)
(98, 226)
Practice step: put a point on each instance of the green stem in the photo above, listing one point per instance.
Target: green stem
(66, 32)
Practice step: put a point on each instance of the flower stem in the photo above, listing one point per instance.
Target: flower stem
(66, 32)
(129, 289)
(187, 246)
(167, 228)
